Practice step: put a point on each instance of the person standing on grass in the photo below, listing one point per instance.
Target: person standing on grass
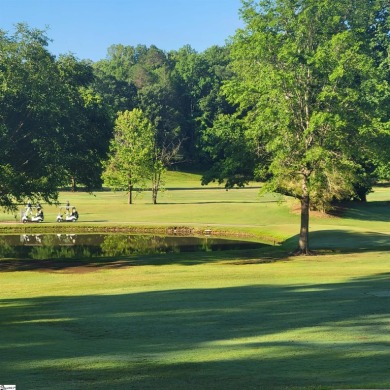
(28, 208)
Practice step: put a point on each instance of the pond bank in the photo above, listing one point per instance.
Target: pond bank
(219, 231)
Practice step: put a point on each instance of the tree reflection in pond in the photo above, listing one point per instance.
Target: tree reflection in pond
(86, 246)
(49, 246)
(60, 246)
(6, 249)
(120, 245)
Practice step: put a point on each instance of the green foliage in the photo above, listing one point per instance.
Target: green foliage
(130, 156)
(229, 148)
(147, 73)
(307, 107)
(199, 77)
(53, 126)
(178, 91)
(88, 126)
(311, 83)
(31, 114)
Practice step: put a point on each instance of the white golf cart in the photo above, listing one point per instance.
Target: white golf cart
(66, 216)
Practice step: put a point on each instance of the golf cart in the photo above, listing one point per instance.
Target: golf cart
(66, 217)
(38, 217)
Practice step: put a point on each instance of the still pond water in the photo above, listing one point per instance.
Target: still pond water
(57, 246)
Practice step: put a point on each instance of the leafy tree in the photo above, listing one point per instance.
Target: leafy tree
(130, 156)
(52, 125)
(87, 124)
(159, 103)
(31, 115)
(148, 71)
(117, 95)
(233, 155)
(199, 77)
(156, 101)
(311, 81)
(213, 103)
(119, 61)
(113, 80)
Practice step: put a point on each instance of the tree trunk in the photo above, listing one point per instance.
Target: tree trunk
(130, 193)
(304, 231)
(155, 186)
(154, 194)
(73, 184)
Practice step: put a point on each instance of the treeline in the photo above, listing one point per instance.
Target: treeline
(178, 93)
(298, 99)
(58, 113)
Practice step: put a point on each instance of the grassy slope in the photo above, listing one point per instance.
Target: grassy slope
(223, 320)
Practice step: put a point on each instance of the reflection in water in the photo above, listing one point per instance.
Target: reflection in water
(81, 246)
(54, 246)
(120, 245)
(6, 248)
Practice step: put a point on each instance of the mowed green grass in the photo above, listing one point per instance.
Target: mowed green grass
(200, 322)
(268, 216)
(250, 319)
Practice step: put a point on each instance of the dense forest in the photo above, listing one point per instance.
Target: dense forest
(298, 99)
(58, 114)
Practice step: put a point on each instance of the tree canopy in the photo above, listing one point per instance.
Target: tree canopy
(31, 103)
(53, 125)
(311, 83)
(131, 151)
(298, 98)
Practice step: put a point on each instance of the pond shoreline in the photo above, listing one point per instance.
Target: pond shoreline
(220, 231)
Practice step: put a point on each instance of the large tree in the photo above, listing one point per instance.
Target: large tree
(31, 115)
(311, 82)
(53, 125)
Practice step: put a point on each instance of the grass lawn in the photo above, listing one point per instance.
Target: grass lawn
(251, 319)
(200, 322)
(187, 203)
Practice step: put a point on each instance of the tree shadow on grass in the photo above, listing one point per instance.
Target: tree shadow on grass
(325, 335)
(365, 211)
(344, 240)
(266, 254)
(238, 202)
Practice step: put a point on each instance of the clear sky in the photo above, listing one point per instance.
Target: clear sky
(87, 28)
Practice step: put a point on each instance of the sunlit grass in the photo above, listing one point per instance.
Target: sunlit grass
(252, 319)
(268, 216)
(300, 323)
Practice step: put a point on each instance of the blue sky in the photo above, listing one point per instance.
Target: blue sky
(87, 28)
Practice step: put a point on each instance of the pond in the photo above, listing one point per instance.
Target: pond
(81, 246)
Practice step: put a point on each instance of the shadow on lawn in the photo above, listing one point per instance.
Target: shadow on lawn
(220, 202)
(365, 211)
(92, 264)
(250, 337)
(344, 241)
